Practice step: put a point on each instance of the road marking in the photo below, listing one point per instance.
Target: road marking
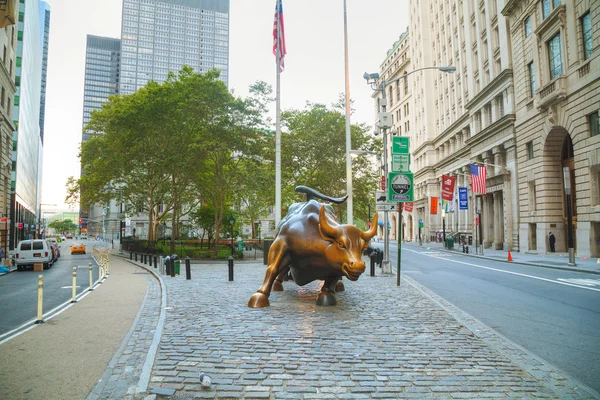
(70, 287)
(584, 282)
(558, 281)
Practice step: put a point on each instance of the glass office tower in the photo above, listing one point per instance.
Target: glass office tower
(163, 35)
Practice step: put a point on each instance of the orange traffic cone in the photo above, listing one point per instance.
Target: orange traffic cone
(509, 256)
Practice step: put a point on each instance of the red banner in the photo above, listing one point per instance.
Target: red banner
(382, 182)
(448, 187)
(408, 206)
(433, 205)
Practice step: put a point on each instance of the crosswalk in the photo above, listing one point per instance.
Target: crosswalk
(582, 282)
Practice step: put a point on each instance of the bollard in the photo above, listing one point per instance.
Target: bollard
(74, 290)
(131, 255)
(188, 269)
(161, 265)
(230, 263)
(135, 257)
(107, 267)
(155, 262)
(467, 250)
(146, 258)
(40, 299)
(172, 267)
(91, 282)
(372, 257)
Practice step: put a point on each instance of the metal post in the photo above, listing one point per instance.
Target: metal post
(131, 255)
(74, 287)
(172, 267)
(90, 271)
(40, 313)
(188, 269)
(372, 257)
(399, 258)
(230, 263)
(444, 226)
(135, 257)
(154, 261)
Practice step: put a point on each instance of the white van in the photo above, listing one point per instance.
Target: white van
(83, 236)
(29, 252)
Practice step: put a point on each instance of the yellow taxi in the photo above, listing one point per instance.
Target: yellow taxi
(78, 248)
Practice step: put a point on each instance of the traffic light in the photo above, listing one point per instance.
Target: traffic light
(80, 220)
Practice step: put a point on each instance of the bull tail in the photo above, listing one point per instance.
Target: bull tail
(312, 193)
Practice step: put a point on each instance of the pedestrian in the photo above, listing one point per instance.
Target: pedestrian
(552, 241)
(1, 253)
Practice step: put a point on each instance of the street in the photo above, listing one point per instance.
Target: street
(18, 290)
(552, 313)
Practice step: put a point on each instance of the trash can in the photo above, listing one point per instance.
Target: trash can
(240, 243)
(177, 266)
(450, 243)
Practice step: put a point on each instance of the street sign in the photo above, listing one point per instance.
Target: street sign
(385, 207)
(20, 225)
(421, 224)
(401, 186)
(382, 182)
(380, 197)
(4, 219)
(400, 145)
(400, 162)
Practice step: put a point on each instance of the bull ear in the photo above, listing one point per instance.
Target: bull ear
(366, 236)
(328, 232)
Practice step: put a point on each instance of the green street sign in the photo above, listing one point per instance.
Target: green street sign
(400, 145)
(400, 187)
(400, 162)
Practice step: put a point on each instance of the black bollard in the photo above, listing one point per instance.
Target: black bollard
(372, 257)
(188, 269)
(168, 266)
(155, 263)
(130, 255)
(467, 250)
(172, 267)
(135, 257)
(230, 263)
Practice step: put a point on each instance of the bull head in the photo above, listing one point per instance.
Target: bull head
(347, 243)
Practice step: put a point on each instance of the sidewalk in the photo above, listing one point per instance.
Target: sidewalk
(552, 260)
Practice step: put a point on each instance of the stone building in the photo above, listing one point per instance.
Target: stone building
(556, 53)
(463, 118)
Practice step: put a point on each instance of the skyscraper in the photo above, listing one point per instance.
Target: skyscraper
(102, 60)
(161, 36)
(28, 146)
(45, 36)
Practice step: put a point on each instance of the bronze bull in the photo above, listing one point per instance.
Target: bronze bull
(311, 245)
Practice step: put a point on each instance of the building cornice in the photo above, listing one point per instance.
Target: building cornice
(504, 122)
(456, 125)
(428, 143)
(510, 7)
(489, 90)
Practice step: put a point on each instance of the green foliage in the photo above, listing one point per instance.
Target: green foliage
(63, 226)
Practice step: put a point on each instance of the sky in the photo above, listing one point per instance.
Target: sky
(315, 72)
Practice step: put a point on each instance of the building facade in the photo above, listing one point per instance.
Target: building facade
(159, 36)
(8, 42)
(556, 52)
(27, 143)
(45, 38)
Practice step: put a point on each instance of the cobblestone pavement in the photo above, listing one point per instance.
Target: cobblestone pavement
(122, 374)
(380, 341)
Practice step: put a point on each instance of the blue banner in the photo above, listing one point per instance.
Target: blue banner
(463, 199)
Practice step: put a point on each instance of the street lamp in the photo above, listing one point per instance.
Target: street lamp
(567, 181)
(231, 222)
(385, 122)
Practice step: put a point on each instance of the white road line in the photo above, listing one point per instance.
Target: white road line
(508, 272)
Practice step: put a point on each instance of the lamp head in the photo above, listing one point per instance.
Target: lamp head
(450, 69)
(374, 76)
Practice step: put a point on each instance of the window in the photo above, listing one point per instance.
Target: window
(530, 150)
(594, 122)
(586, 30)
(545, 8)
(554, 56)
(531, 71)
(2, 98)
(527, 25)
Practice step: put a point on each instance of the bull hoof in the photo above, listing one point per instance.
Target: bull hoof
(277, 287)
(258, 300)
(339, 287)
(326, 299)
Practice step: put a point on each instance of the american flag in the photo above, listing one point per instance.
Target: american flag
(279, 39)
(477, 178)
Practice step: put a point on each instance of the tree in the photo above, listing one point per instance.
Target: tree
(63, 226)
(314, 155)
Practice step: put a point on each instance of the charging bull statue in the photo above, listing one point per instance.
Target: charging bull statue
(311, 245)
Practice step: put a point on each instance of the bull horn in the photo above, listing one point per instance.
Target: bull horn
(326, 229)
(366, 236)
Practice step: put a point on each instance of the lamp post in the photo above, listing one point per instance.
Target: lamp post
(444, 226)
(231, 222)
(385, 122)
(356, 153)
(570, 241)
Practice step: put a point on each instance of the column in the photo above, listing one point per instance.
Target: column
(498, 223)
(487, 159)
(511, 198)
(486, 221)
(452, 145)
(497, 152)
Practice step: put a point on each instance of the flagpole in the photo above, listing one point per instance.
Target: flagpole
(348, 136)
(278, 122)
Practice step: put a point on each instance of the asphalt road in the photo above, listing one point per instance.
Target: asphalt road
(554, 314)
(18, 290)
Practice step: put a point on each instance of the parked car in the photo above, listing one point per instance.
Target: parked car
(83, 236)
(63, 237)
(69, 236)
(78, 248)
(32, 251)
(56, 246)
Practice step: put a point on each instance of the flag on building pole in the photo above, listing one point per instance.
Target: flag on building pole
(279, 50)
(478, 177)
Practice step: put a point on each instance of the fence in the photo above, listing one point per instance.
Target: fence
(251, 249)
